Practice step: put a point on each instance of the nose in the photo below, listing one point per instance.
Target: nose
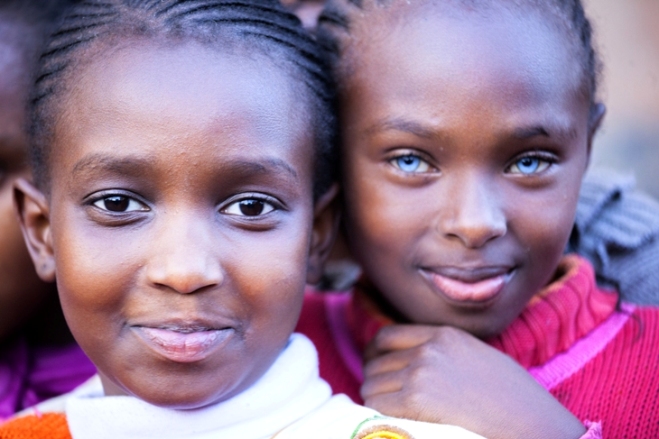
(183, 257)
(471, 212)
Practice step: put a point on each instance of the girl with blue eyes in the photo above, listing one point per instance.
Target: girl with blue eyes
(466, 131)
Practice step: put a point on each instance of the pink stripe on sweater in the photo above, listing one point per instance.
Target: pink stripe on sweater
(336, 307)
(566, 364)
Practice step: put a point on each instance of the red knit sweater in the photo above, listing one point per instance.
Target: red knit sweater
(597, 359)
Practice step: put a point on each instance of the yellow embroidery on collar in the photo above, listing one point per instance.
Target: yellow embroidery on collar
(384, 432)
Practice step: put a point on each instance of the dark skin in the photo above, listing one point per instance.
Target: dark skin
(465, 139)
(27, 304)
(179, 221)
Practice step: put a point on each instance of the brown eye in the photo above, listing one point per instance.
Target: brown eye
(116, 204)
(119, 204)
(249, 207)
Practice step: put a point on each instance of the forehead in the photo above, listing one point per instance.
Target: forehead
(186, 82)
(425, 40)
(168, 94)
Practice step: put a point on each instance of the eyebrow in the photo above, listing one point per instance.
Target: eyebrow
(400, 124)
(136, 165)
(408, 126)
(130, 165)
(541, 131)
(263, 166)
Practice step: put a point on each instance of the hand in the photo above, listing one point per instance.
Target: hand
(445, 375)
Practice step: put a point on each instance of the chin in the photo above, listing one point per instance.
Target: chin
(175, 397)
(482, 328)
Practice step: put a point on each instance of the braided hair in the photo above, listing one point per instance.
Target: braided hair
(260, 24)
(335, 23)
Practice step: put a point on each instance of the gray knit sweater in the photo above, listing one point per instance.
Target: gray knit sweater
(617, 229)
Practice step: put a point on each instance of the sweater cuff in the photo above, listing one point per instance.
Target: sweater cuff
(594, 430)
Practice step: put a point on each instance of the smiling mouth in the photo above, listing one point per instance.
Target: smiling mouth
(186, 344)
(469, 286)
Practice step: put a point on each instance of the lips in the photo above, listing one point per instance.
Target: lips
(183, 343)
(476, 285)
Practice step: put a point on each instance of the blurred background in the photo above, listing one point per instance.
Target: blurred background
(627, 37)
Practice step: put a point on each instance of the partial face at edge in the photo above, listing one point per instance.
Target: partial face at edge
(181, 214)
(464, 145)
(21, 290)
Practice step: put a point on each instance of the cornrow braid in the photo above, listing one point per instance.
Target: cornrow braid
(262, 24)
(334, 26)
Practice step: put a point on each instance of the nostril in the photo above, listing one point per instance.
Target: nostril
(184, 278)
(475, 238)
(475, 231)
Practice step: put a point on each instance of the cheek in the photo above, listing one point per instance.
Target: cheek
(383, 220)
(544, 223)
(270, 272)
(94, 266)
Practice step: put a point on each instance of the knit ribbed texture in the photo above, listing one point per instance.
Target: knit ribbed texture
(617, 229)
(558, 317)
(621, 384)
(46, 426)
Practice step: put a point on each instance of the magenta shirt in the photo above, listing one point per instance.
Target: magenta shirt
(29, 375)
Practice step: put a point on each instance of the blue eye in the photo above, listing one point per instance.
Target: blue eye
(411, 163)
(408, 163)
(529, 165)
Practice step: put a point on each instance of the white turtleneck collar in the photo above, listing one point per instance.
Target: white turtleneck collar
(289, 390)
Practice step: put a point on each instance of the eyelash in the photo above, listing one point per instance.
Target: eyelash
(545, 160)
(130, 199)
(259, 201)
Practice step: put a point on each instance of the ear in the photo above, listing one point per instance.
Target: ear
(33, 214)
(595, 119)
(325, 228)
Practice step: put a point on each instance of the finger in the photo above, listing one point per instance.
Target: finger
(383, 383)
(388, 404)
(387, 362)
(398, 337)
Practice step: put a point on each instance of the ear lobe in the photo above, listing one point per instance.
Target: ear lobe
(595, 119)
(325, 228)
(32, 208)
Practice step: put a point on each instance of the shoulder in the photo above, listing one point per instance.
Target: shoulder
(49, 425)
(617, 229)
